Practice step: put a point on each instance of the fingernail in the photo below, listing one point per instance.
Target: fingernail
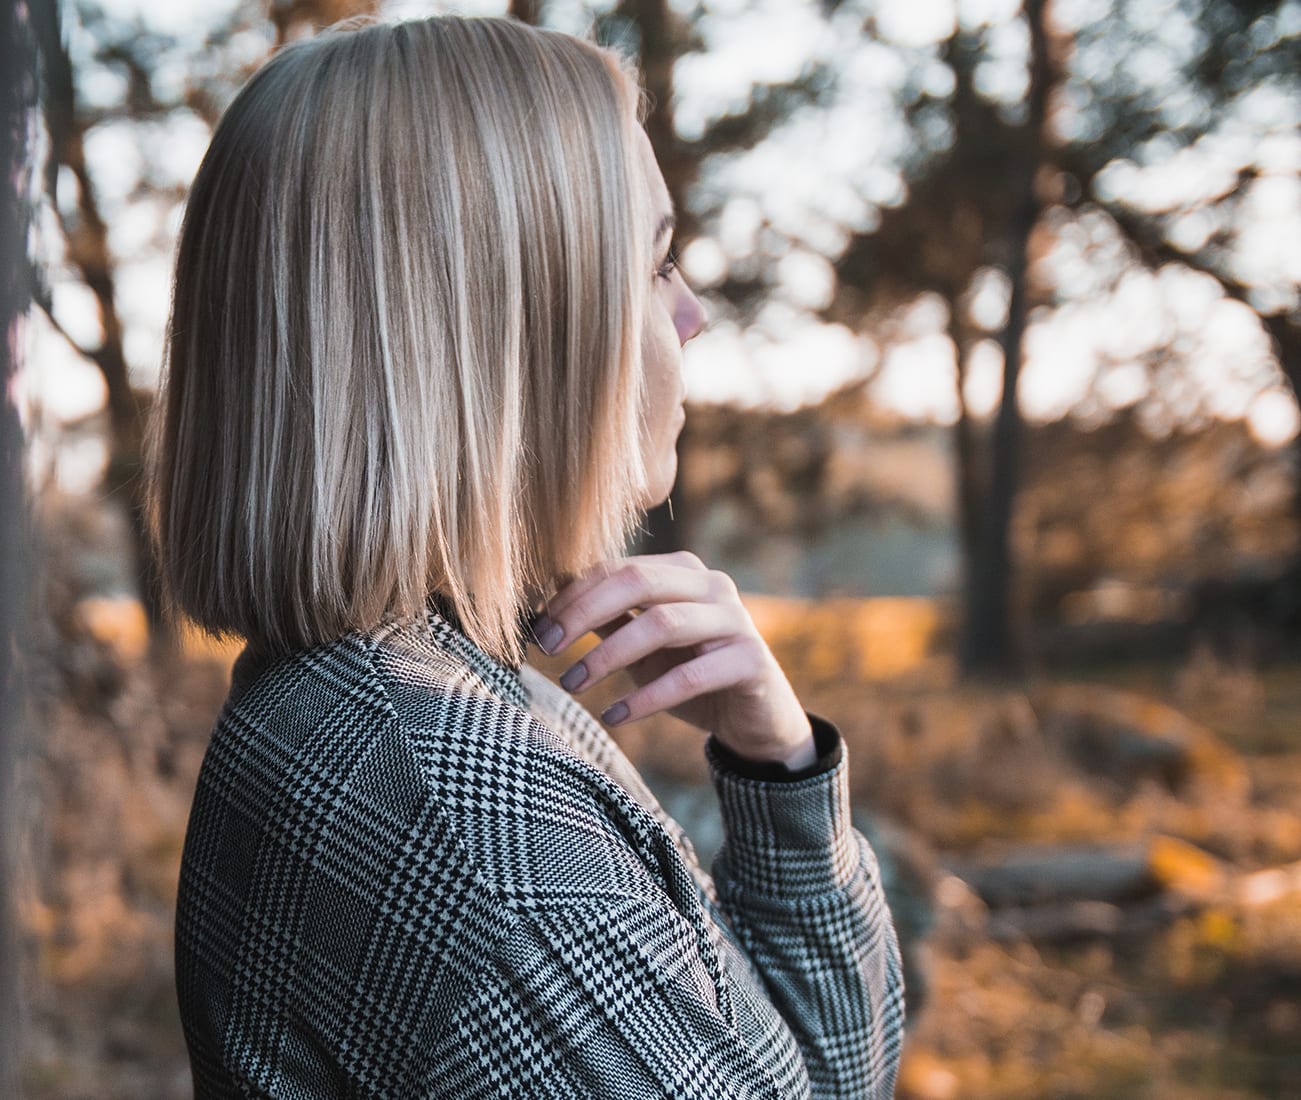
(548, 634)
(615, 714)
(574, 677)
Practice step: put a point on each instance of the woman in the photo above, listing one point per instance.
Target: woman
(423, 378)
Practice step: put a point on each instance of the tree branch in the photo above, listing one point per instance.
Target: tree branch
(1156, 251)
(47, 309)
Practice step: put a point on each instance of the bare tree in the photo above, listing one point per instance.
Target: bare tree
(527, 11)
(85, 235)
(85, 230)
(997, 186)
(989, 641)
(293, 17)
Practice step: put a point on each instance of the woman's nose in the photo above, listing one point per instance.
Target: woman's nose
(689, 316)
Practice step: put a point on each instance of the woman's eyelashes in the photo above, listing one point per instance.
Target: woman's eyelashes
(669, 264)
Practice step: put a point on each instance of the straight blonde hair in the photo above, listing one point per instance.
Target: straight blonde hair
(403, 359)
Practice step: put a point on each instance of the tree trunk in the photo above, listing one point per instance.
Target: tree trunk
(969, 489)
(294, 17)
(18, 99)
(989, 644)
(1286, 337)
(86, 242)
(526, 11)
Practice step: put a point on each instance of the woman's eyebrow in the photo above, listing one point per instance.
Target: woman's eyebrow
(666, 225)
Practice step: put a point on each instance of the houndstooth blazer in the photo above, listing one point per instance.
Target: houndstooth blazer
(411, 871)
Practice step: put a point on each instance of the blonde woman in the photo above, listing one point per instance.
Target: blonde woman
(423, 378)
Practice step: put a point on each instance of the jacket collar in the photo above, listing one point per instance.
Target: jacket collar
(502, 680)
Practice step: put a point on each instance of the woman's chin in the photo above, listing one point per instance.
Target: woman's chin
(660, 488)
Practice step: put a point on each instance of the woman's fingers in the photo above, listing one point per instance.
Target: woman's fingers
(682, 632)
(663, 626)
(612, 589)
(649, 572)
(716, 670)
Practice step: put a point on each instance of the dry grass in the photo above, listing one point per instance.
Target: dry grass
(1206, 1007)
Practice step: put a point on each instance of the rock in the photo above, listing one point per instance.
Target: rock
(1113, 874)
(1131, 739)
(1055, 923)
(1052, 874)
(1082, 920)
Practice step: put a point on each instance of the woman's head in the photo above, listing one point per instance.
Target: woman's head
(409, 324)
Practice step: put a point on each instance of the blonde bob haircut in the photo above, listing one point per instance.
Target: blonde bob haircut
(403, 360)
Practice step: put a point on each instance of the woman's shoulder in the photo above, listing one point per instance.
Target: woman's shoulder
(528, 779)
(323, 884)
(377, 817)
(400, 731)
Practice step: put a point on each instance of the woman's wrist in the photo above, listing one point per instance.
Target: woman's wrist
(828, 749)
(778, 730)
(793, 752)
(803, 756)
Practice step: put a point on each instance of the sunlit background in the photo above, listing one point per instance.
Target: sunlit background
(1059, 627)
(787, 207)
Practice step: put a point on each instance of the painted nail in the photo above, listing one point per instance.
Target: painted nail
(614, 714)
(548, 634)
(574, 677)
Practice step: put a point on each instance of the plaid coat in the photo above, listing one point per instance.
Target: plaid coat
(411, 871)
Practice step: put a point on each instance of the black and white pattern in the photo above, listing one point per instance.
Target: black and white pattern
(411, 871)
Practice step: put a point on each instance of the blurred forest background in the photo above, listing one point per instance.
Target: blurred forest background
(996, 423)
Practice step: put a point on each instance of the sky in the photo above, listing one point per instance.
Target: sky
(829, 169)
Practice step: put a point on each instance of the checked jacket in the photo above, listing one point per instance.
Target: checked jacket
(411, 871)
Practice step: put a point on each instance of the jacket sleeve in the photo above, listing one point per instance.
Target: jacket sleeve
(802, 890)
(612, 997)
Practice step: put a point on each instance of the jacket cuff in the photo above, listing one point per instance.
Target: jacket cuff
(791, 836)
(826, 743)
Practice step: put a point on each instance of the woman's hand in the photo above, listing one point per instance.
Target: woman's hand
(688, 642)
